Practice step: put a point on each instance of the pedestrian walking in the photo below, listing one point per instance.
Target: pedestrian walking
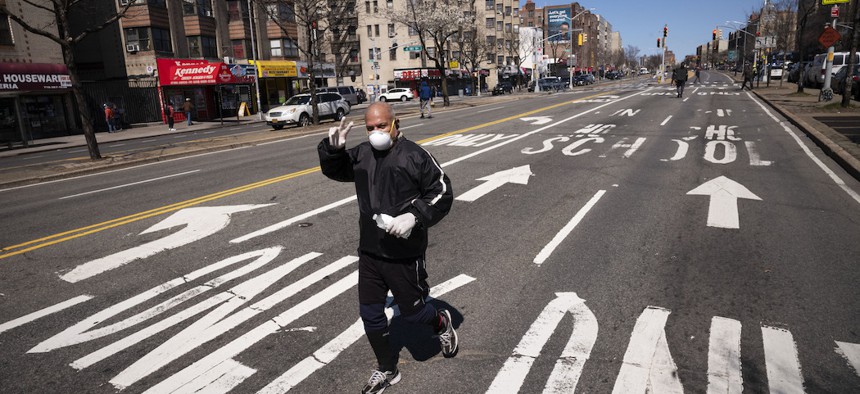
(748, 76)
(109, 119)
(402, 192)
(168, 113)
(680, 78)
(698, 72)
(425, 94)
(187, 107)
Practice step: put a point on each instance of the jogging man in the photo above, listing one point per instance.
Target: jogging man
(402, 191)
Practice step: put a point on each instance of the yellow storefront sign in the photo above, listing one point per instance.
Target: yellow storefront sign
(275, 68)
(829, 2)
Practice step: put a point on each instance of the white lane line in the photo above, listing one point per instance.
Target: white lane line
(210, 132)
(489, 109)
(780, 356)
(851, 352)
(328, 352)
(129, 184)
(43, 312)
(115, 145)
(178, 136)
(724, 357)
(411, 126)
(808, 152)
(666, 121)
(288, 222)
(77, 151)
(565, 231)
(235, 128)
(152, 140)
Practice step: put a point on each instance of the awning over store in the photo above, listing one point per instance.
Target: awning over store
(173, 72)
(275, 68)
(33, 77)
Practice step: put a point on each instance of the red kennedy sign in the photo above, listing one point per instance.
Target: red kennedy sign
(33, 77)
(197, 72)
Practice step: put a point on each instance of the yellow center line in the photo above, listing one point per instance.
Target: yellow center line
(35, 244)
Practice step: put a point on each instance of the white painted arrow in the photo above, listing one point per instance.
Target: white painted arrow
(724, 192)
(537, 120)
(568, 367)
(199, 223)
(518, 175)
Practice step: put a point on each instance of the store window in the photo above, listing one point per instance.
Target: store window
(6, 37)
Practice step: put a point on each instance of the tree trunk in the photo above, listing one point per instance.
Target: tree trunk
(86, 119)
(855, 41)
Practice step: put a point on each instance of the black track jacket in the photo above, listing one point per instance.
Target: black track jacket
(405, 178)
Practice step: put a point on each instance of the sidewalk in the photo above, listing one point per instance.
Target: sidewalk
(35, 173)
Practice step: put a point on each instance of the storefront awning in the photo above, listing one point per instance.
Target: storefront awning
(173, 72)
(275, 68)
(26, 77)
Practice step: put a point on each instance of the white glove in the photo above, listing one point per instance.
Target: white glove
(337, 135)
(402, 225)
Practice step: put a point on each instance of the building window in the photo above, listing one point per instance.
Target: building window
(291, 48)
(370, 53)
(197, 7)
(239, 49)
(531, 24)
(507, 11)
(353, 55)
(376, 30)
(499, 25)
(282, 11)
(516, 12)
(161, 40)
(431, 51)
(389, 4)
(507, 27)
(491, 40)
(489, 4)
(499, 8)
(392, 53)
(366, 7)
(500, 59)
(375, 7)
(391, 30)
(369, 31)
(202, 46)
(531, 13)
(490, 58)
(516, 29)
(490, 23)
(277, 51)
(6, 37)
(237, 10)
(412, 30)
(138, 36)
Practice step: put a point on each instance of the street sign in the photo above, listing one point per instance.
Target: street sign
(414, 48)
(834, 11)
(829, 2)
(829, 37)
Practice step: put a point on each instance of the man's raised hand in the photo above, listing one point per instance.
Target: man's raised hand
(337, 135)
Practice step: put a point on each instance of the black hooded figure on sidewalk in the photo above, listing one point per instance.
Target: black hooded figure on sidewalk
(748, 76)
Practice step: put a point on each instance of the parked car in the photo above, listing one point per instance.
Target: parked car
(643, 71)
(506, 86)
(838, 81)
(498, 89)
(614, 74)
(815, 74)
(298, 110)
(550, 84)
(796, 70)
(347, 92)
(395, 94)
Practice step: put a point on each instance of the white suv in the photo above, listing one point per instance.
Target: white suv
(401, 94)
(297, 110)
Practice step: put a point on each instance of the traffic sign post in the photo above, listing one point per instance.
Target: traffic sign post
(414, 48)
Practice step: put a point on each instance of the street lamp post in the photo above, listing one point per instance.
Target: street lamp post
(570, 44)
(534, 50)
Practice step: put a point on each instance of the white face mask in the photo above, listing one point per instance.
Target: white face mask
(380, 140)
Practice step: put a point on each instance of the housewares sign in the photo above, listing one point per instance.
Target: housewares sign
(33, 77)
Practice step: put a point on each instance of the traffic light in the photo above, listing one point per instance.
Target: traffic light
(579, 39)
(714, 35)
(665, 30)
(658, 42)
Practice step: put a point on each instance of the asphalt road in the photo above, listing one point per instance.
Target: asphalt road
(638, 242)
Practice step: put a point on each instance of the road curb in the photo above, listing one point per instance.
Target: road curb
(832, 149)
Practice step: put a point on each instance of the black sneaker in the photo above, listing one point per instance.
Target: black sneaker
(422, 116)
(379, 381)
(448, 337)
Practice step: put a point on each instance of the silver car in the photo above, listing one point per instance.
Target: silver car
(298, 110)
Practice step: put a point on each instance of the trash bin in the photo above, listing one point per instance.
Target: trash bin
(460, 92)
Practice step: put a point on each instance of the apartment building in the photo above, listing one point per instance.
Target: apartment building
(35, 98)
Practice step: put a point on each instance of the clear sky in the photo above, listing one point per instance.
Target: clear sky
(641, 21)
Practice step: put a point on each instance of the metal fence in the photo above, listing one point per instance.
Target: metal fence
(135, 101)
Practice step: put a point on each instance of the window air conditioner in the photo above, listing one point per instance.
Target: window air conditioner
(208, 13)
(132, 48)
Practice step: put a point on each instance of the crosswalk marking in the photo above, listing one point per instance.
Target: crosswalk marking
(783, 366)
(648, 365)
(724, 357)
(851, 352)
(44, 312)
(328, 352)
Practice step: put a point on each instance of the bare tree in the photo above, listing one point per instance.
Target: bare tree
(60, 31)
(436, 23)
(805, 10)
(473, 47)
(313, 17)
(632, 55)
